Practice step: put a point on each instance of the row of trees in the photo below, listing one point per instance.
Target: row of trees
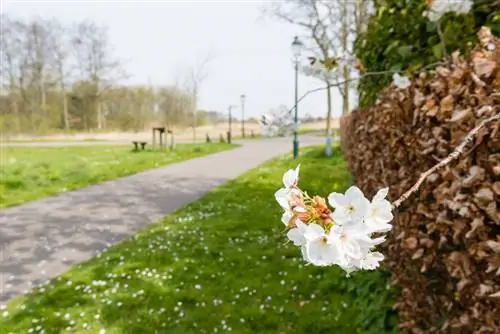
(67, 77)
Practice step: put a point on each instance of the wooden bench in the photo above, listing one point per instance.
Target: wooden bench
(136, 145)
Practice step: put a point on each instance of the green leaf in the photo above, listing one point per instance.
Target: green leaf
(391, 47)
(415, 66)
(430, 27)
(437, 50)
(404, 51)
(396, 67)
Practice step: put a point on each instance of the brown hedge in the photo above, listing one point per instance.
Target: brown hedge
(444, 250)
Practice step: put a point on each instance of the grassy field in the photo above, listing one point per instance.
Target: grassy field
(220, 264)
(27, 174)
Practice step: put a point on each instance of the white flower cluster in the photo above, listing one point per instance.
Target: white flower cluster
(400, 81)
(317, 70)
(342, 237)
(277, 122)
(438, 8)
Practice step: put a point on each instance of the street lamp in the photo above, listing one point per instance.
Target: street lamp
(242, 98)
(230, 116)
(297, 47)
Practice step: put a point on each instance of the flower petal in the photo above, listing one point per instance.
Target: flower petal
(291, 177)
(285, 218)
(354, 193)
(296, 236)
(282, 197)
(314, 231)
(337, 200)
(381, 194)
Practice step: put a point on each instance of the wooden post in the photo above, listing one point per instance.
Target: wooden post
(161, 140)
(154, 138)
(171, 138)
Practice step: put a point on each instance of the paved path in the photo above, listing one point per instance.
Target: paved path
(42, 239)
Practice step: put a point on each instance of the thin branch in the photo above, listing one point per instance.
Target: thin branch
(452, 156)
(368, 74)
(441, 37)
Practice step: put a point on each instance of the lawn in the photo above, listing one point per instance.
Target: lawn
(32, 173)
(220, 264)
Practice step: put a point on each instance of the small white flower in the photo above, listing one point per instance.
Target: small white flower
(291, 177)
(352, 240)
(440, 7)
(296, 234)
(290, 181)
(400, 81)
(491, 47)
(320, 249)
(353, 206)
(286, 217)
(371, 261)
(379, 213)
(284, 195)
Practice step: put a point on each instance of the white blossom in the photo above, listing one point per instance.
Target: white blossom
(353, 239)
(297, 234)
(291, 177)
(401, 82)
(284, 195)
(320, 248)
(379, 213)
(351, 206)
(342, 238)
(286, 217)
(438, 8)
(371, 261)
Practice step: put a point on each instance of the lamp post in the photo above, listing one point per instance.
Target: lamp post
(230, 124)
(297, 47)
(242, 98)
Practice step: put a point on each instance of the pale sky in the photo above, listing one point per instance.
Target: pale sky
(252, 54)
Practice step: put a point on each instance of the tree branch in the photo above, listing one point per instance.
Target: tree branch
(369, 74)
(452, 156)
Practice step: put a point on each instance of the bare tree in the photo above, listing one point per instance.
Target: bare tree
(197, 74)
(55, 76)
(60, 47)
(330, 28)
(9, 66)
(277, 121)
(96, 63)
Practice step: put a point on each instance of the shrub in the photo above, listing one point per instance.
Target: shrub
(400, 38)
(444, 250)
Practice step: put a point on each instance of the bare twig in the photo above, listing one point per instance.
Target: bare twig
(452, 156)
(368, 74)
(441, 37)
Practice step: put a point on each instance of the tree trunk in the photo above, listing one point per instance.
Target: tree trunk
(195, 97)
(99, 114)
(328, 144)
(43, 96)
(65, 111)
(345, 95)
(345, 48)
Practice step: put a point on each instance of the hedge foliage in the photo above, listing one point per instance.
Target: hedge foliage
(444, 249)
(400, 38)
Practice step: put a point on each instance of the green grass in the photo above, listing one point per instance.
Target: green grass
(319, 132)
(32, 173)
(218, 264)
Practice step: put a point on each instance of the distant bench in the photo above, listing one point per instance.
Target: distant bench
(136, 145)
